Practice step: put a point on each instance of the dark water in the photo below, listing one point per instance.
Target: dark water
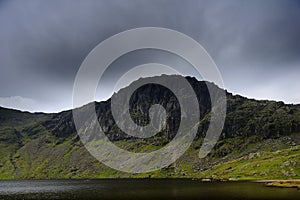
(141, 189)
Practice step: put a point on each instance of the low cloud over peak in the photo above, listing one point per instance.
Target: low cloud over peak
(255, 43)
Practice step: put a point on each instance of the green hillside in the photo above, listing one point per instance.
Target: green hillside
(260, 140)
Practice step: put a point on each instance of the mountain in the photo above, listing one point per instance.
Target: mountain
(260, 139)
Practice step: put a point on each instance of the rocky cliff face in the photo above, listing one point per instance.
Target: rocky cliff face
(245, 117)
(32, 144)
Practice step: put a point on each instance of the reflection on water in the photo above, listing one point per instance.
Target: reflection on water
(140, 189)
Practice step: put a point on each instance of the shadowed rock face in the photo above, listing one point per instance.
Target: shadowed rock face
(245, 117)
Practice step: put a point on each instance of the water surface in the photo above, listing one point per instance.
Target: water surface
(141, 189)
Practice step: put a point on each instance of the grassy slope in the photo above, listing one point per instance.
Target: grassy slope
(260, 165)
(45, 157)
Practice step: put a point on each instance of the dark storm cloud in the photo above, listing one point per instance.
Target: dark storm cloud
(43, 43)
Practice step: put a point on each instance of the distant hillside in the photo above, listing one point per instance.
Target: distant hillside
(260, 139)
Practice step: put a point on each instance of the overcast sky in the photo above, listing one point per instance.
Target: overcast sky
(255, 44)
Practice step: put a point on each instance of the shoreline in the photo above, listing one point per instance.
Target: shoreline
(162, 178)
(292, 183)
